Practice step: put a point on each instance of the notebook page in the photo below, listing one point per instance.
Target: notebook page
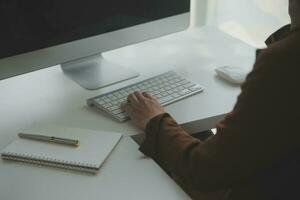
(94, 146)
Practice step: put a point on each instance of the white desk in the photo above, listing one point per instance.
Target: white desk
(48, 96)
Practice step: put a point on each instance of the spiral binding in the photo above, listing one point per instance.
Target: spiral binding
(51, 162)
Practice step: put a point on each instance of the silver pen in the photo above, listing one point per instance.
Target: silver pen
(49, 139)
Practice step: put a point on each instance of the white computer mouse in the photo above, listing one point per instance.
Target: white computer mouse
(232, 74)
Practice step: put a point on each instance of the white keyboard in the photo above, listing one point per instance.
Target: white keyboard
(167, 88)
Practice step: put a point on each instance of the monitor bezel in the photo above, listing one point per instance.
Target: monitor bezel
(63, 53)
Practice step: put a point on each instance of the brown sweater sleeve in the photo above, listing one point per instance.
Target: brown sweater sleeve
(247, 140)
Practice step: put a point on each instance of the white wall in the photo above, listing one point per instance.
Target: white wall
(250, 20)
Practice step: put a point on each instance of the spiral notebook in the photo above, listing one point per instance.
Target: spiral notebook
(94, 148)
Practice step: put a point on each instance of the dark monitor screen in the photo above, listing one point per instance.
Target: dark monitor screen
(28, 25)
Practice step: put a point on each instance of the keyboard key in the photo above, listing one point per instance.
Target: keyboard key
(158, 96)
(164, 94)
(114, 102)
(184, 82)
(109, 96)
(189, 85)
(119, 96)
(175, 95)
(155, 92)
(122, 116)
(118, 111)
(107, 105)
(181, 88)
(100, 101)
(184, 92)
(114, 97)
(106, 100)
(162, 90)
(112, 108)
(195, 88)
(175, 90)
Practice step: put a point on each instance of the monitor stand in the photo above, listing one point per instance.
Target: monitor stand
(95, 72)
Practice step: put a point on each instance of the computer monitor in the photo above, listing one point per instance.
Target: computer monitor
(36, 34)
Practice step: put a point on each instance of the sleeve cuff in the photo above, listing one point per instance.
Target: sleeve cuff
(149, 146)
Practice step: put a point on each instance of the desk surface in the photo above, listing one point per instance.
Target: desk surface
(48, 96)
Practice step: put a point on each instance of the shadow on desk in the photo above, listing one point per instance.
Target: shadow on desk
(139, 138)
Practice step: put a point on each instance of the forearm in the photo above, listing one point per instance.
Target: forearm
(184, 156)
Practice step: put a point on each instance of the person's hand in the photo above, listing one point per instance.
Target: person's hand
(141, 107)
